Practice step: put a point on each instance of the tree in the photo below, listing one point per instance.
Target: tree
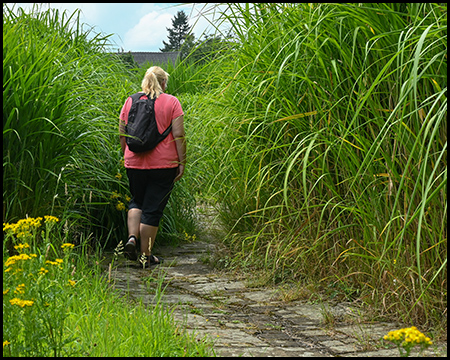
(179, 35)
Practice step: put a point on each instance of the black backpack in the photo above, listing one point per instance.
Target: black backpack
(141, 129)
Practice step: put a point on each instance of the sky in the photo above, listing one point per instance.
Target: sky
(138, 26)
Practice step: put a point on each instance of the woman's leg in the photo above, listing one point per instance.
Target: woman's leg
(133, 222)
(148, 236)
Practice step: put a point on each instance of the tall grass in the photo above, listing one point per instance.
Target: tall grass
(62, 93)
(326, 148)
(61, 97)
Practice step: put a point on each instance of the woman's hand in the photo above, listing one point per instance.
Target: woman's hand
(180, 172)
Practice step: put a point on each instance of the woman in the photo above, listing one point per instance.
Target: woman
(151, 174)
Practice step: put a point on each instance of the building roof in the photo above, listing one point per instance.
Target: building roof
(155, 57)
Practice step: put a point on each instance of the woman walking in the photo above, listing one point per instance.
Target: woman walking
(152, 173)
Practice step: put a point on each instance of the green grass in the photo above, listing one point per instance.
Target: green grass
(62, 94)
(319, 136)
(325, 149)
(72, 308)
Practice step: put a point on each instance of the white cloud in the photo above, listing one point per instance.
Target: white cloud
(90, 12)
(139, 26)
(149, 32)
(151, 29)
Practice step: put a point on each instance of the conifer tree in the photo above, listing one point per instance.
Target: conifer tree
(178, 34)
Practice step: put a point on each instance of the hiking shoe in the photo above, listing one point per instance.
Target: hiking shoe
(152, 260)
(130, 249)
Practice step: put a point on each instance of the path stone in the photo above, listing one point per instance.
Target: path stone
(243, 321)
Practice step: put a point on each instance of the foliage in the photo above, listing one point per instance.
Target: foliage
(180, 36)
(127, 59)
(58, 137)
(207, 49)
(62, 94)
(326, 148)
(57, 303)
(318, 132)
(405, 339)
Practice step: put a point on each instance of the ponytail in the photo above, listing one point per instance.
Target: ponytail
(151, 83)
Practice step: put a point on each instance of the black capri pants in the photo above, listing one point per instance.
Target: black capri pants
(150, 191)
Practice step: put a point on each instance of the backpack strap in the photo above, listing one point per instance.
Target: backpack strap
(137, 96)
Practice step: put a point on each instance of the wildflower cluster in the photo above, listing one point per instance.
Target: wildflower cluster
(407, 338)
(67, 246)
(21, 303)
(57, 262)
(32, 283)
(23, 227)
(188, 237)
(119, 205)
(50, 219)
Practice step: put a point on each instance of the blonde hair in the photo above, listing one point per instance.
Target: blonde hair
(151, 83)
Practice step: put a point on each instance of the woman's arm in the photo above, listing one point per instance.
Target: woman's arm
(123, 142)
(180, 142)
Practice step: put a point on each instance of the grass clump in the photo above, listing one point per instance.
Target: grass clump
(326, 149)
(57, 302)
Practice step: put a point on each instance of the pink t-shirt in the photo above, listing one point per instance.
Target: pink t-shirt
(164, 155)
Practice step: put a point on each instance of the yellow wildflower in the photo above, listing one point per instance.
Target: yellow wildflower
(21, 246)
(43, 271)
(57, 262)
(72, 282)
(50, 219)
(8, 226)
(127, 198)
(23, 227)
(13, 259)
(120, 206)
(407, 338)
(67, 246)
(115, 195)
(21, 303)
(5, 291)
(20, 289)
(6, 343)
(118, 176)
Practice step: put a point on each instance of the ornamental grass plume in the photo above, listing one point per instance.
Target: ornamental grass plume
(405, 339)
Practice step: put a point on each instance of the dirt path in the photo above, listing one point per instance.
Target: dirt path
(244, 321)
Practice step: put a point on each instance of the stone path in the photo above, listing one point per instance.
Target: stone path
(244, 321)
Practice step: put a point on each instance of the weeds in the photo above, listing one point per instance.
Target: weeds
(405, 339)
(55, 304)
(38, 286)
